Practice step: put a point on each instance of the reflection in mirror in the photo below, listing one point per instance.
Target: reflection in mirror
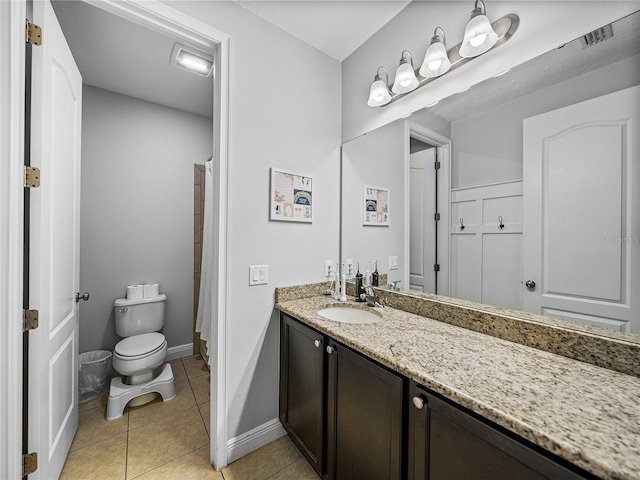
(551, 231)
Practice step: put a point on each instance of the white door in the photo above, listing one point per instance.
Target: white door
(54, 246)
(582, 212)
(422, 225)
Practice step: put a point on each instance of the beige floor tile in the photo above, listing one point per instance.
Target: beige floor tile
(201, 388)
(106, 460)
(179, 373)
(301, 470)
(161, 442)
(195, 366)
(264, 462)
(157, 410)
(205, 411)
(193, 466)
(101, 401)
(93, 427)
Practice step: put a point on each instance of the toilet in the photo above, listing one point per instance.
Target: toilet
(140, 356)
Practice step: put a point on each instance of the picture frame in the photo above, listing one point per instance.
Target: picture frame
(291, 196)
(375, 208)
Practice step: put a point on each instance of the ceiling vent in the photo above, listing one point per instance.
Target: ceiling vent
(597, 36)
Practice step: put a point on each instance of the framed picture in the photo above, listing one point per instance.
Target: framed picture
(376, 206)
(291, 196)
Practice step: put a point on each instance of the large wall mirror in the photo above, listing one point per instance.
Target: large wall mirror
(538, 189)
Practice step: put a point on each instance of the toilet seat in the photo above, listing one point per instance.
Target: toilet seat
(140, 346)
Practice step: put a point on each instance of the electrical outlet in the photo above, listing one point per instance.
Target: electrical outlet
(393, 263)
(348, 267)
(328, 268)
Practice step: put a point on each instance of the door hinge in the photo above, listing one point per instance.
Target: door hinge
(436, 267)
(31, 177)
(29, 320)
(436, 217)
(29, 463)
(436, 165)
(33, 34)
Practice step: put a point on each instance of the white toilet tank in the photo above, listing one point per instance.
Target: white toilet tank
(143, 315)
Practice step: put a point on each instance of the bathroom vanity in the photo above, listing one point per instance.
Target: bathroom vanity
(408, 396)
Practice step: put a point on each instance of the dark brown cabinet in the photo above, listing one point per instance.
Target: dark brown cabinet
(364, 412)
(343, 411)
(445, 443)
(302, 388)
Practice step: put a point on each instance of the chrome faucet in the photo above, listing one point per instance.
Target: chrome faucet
(370, 297)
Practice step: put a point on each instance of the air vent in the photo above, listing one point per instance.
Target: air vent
(597, 36)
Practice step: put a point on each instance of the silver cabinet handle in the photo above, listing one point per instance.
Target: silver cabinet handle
(330, 349)
(317, 343)
(530, 284)
(418, 402)
(84, 296)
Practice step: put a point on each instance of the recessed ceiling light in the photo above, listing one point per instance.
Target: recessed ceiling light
(191, 60)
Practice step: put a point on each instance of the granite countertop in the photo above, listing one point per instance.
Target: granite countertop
(583, 413)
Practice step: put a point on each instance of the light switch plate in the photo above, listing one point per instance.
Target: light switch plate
(393, 263)
(258, 274)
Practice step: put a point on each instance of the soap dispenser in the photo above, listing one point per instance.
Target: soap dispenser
(359, 288)
(375, 277)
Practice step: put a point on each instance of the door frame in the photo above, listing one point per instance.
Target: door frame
(443, 155)
(158, 17)
(12, 92)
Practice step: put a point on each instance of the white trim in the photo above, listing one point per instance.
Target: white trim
(12, 62)
(164, 19)
(179, 351)
(253, 439)
(443, 145)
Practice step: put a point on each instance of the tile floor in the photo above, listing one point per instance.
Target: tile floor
(170, 440)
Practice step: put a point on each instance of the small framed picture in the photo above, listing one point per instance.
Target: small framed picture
(291, 196)
(376, 206)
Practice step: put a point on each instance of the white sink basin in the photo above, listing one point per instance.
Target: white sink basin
(348, 315)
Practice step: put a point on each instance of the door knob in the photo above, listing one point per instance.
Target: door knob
(84, 296)
(530, 284)
(317, 343)
(418, 402)
(330, 349)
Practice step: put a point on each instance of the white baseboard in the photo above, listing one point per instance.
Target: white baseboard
(173, 353)
(246, 443)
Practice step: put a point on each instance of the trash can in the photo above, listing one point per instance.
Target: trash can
(95, 374)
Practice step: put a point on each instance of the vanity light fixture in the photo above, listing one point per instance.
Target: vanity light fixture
(406, 80)
(436, 61)
(191, 60)
(479, 36)
(379, 94)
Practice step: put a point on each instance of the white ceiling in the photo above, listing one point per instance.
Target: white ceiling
(335, 27)
(117, 55)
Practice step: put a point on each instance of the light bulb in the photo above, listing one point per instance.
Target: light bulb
(435, 64)
(478, 40)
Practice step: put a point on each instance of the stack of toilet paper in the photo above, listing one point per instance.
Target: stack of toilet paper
(148, 290)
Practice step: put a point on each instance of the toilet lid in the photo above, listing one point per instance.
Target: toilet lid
(139, 344)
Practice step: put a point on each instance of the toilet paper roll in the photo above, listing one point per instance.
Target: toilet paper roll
(135, 292)
(151, 290)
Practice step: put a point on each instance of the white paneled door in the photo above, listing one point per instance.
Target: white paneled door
(54, 246)
(422, 225)
(582, 212)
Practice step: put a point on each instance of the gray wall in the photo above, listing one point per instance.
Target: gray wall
(137, 209)
(487, 148)
(275, 120)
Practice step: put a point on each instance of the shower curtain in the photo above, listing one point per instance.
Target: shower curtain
(205, 302)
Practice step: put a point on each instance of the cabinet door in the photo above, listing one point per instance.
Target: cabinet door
(364, 415)
(447, 443)
(302, 388)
